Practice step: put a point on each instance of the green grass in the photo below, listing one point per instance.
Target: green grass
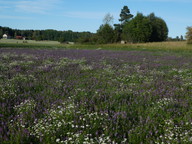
(29, 41)
(180, 47)
(166, 46)
(29, 44)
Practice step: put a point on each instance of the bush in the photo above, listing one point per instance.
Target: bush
(137, 30)
(189, 35)
(105, 34)
(145, 29)
(62, 40)
(159, 29)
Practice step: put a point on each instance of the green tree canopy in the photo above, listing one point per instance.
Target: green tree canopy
(125, 15)
(45, 34)
(189, 35)
(1, 33)
(159, 28)
(105, 34)
(138, 29)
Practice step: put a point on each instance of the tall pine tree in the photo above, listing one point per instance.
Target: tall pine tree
(125, 16)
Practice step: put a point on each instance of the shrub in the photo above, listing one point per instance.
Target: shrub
(105, 34)
(189, 35)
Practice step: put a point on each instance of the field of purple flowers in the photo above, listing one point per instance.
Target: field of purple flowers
(94, 96)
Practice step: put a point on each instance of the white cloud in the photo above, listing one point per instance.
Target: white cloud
(14, 17)
(4, 5)
(31, 6)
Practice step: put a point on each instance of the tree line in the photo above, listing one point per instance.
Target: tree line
(133, 29)
(62, 36)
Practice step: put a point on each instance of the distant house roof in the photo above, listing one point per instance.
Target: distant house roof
(19, 37)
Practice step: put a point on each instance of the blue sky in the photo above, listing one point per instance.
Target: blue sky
(87, 15)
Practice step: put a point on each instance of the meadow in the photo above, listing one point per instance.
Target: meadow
(172, 46)
(128, 94)
(15, 43)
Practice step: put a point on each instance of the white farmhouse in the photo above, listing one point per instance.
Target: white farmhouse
(5, 36)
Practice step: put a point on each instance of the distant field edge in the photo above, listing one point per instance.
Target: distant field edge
(180, 46)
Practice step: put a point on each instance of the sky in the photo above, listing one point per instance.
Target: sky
(87, 15)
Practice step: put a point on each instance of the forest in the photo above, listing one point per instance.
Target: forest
(48, 34)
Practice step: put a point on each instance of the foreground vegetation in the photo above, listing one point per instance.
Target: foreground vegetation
(94, 96)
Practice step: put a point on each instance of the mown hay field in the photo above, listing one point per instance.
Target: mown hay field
(95, 96)
(17, 41)
(177, 46)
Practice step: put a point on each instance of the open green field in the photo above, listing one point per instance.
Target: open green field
(76, 94)
(15, 41)
(179, 46)
(29, 43)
